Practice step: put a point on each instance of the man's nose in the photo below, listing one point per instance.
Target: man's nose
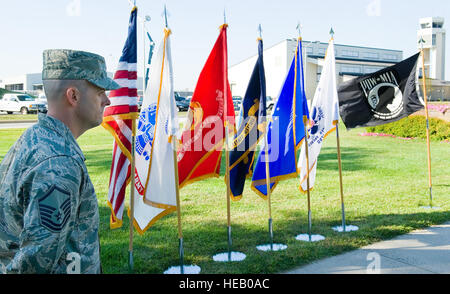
(107, 101)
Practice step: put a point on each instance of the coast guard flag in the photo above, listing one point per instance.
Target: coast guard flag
(285, 130)
(251, 128)
(381, 97)
(118, 120)
(323, 118)
(204, 134)
(155, 188)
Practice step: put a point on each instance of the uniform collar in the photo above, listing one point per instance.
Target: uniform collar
(61, 129)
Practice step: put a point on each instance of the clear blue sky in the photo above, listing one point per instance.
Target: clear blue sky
(100, 26)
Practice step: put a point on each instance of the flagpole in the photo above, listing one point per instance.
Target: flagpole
(340, 176)
(338, 144)
(428, 122)
(227, 159)
(305, 120)
(177, 189)
(228, 188)
(130, 249)
(266, 150)
(177, 186)
(132, 168)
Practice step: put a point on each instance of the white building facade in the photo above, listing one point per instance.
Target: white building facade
(433, 33)
(23, 83)
(351, 61)
(32, 83)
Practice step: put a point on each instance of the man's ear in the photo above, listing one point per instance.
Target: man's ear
(72, 95)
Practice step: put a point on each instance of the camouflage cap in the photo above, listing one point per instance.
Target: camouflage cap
(65, 64)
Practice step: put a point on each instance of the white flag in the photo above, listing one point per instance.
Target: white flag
(324, 116)
(155, 189)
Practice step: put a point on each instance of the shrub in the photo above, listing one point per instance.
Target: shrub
(415, 127)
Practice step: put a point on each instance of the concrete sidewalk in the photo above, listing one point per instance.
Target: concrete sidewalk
(420, 252)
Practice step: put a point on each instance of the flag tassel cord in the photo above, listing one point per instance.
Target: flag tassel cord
(130, 249)
(428, 126)
(340, 176)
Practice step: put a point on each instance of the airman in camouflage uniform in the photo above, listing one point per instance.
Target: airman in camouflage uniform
(48, 207)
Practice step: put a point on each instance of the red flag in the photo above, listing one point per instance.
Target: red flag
(204, 134)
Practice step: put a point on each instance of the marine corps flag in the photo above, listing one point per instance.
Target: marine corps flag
(204, 134)
(323, 118)
(285, 130)
(381, 97)
(155, 185)
(251, 128)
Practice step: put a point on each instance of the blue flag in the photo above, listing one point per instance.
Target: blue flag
(285, 132)
(251, 128)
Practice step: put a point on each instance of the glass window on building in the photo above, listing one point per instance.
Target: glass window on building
(433, 42)
(14, 87)
(371, 69)
(309, 50)
(371, 55)
(351, 68)
(350, 53)
(390, 57)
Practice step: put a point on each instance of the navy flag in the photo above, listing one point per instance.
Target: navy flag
(251, 128)
(381, 97)
(285, 130)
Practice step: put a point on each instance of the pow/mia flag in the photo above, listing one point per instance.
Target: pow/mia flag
(381, 97)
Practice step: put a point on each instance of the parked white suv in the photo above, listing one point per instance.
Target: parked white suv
(22, 103)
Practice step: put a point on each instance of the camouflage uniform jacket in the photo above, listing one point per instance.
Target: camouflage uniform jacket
(48, 207)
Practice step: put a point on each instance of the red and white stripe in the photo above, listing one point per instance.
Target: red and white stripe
(123, 102)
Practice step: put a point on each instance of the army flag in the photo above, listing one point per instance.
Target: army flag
(155, 185)
(285, 130)
(118, 119)
(323, 118)
(204, 134)
(381, 97)
(251, 128)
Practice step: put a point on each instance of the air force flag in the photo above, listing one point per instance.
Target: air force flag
(285, 130)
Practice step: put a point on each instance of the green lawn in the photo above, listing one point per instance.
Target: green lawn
(385, 183)
(18, 117)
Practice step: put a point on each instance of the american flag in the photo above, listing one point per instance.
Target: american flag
(118, 119)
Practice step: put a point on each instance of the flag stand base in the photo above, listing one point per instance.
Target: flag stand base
(348, 228)
(309, 238)
(271, 247)
(187, 269)
(229, 256)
